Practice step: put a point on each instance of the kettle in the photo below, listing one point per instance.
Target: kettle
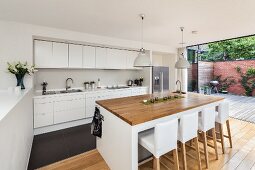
(130, 82)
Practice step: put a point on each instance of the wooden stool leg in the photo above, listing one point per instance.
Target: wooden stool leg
(184, 156)
(198, 153)
(205, 149)
(156, 163)
(229, 134)
(176, 160)
(222, 139)
(215, 143)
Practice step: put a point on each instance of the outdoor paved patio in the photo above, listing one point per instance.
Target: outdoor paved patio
(241, 107)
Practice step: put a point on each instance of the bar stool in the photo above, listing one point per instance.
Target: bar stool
(222, 116)
(161, 140)
(206, 122)
(187, 130)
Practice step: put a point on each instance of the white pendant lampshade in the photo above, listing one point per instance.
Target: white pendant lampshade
(142, 60)
(182, 63)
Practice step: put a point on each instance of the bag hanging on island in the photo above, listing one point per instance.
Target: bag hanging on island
(96, 126)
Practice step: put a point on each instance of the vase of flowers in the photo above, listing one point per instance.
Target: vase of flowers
(20, 69)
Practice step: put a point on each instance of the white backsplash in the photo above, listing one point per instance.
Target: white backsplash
(56, 77)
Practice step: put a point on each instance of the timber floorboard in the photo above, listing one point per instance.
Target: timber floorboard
(241, 156)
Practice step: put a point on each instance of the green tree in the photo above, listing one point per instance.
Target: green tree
(230, 49)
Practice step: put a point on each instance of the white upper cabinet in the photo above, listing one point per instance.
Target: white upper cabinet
(116, 59)
(130, 59)
(101, 57)
(49, 54)
(60, 55)
(43, 54)
(89, 57)
(75, 56)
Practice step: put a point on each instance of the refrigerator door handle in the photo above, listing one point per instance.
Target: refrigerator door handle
(161, 81)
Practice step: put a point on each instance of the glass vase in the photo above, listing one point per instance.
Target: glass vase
(20, 78)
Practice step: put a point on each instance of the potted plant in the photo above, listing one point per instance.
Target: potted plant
(20, 69)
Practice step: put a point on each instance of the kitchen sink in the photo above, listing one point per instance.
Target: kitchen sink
(179, 92)
(63, 91)
(70, 91)
(118, 87)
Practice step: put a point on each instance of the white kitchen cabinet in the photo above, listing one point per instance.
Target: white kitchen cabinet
(43, 112)
(91, 99)
(43, 54)
(143, 90)
(101, 57)
(116, 59)
(89, 57)
(90, 104)
(49, 54)
(55, 109)
(60, 55)
(75, 56)
(139, 91)
(69, 108)
(125, 93)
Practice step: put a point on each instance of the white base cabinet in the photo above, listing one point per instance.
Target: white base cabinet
(90, 104)
(55, 109)
(69, 108)
(43, 112)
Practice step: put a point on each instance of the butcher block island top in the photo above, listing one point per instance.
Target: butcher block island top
(133, 111)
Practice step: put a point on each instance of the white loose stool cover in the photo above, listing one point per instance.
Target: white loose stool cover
(161, 139)
(206, 119)
(222, 114)
(188, 126)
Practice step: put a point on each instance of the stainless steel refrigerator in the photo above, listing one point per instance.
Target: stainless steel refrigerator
(160, 79)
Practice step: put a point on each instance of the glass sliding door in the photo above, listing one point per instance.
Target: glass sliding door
(193, 70)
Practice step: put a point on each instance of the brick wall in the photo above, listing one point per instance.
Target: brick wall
(228, 68)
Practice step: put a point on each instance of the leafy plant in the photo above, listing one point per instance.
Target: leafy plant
(247, 80)
(225, 83)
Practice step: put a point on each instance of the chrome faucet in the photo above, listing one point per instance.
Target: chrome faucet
(178, 81)
(68, 87)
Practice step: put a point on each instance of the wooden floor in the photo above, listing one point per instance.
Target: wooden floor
(241, 156)
(241, 107)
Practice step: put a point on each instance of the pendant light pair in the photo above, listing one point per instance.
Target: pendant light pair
(142, 60)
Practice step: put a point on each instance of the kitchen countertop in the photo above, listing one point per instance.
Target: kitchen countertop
(8, 101)
(38, 93)
(133, 111)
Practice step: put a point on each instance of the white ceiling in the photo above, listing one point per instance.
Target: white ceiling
(213, 19)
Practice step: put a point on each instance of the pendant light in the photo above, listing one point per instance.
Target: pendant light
(142, 60)
(182, 63)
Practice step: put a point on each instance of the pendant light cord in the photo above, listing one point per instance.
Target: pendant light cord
(142, 31)
(182, 28)
(182, 36)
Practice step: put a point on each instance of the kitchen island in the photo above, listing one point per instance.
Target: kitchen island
(125, 117)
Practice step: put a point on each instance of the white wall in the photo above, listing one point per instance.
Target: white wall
(16, 135)
(16, 45)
